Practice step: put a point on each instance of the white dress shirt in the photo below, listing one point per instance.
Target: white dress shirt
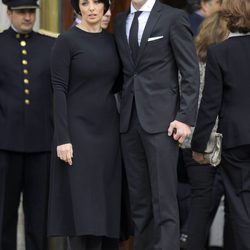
(142, 19)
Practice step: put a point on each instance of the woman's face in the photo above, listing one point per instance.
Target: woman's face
(106, 19)
(92, 11)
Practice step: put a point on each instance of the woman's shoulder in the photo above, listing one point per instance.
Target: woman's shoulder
(68, 33)
(67, 36)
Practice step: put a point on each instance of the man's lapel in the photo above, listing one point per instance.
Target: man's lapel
(124, 39)
(152, 20)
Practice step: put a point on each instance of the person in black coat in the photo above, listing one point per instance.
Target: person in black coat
(25, 126)
(201, 178)
(154, 41)
(226, 95)
(201, 10)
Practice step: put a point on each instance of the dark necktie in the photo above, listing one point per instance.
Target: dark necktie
(133, 36)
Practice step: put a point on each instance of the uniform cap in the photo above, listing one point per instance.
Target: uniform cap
(21, 4)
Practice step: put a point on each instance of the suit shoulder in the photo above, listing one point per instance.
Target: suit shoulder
(2, 33)
(218, 50)
(172, 11)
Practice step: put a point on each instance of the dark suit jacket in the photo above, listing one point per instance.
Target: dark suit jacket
(226, 93)
(25, 96)
(195, 22)
(153, 79)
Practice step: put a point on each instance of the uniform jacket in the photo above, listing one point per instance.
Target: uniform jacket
(152, 81)
(25, 92)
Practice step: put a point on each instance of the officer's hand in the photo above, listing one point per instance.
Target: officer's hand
(179, 131)
(65, 153)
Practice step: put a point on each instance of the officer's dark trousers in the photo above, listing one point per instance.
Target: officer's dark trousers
(151, 168)
(27, 173)
(236, 177)
(201, 178)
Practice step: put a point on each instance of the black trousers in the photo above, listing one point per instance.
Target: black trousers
(201, 178)
(151, 168)
(92, 243)
(236, 177)
(27, 173)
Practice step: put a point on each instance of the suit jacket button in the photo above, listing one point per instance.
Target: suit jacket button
(24, 52)
(23, 43)
(24, 62)
(26, 81)
(27, 101)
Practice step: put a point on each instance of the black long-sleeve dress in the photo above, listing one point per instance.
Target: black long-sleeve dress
(85, 197)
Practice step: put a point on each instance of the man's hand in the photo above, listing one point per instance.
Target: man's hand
(65, 153)
(179, 131)
(198, 157)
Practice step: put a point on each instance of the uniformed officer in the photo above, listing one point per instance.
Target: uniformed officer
(25, 126)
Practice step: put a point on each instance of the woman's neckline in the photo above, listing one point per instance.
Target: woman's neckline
(88, 32)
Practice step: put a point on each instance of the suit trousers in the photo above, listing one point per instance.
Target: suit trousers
(151, 168)
(26, 173)
(92, 243)
(236, 177)
(201, 178)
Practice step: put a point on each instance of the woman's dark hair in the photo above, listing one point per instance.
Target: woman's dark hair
(75, 5)
(238, 15)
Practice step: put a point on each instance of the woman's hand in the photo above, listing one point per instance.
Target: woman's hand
(65, 152)
(198, 157)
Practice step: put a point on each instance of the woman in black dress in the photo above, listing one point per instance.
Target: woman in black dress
(85, 192)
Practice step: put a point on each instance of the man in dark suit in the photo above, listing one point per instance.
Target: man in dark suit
(201, 10)
(154, 42)
(25, 126)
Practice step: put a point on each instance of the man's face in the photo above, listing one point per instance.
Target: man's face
(22, 20)
(211, 7)
(138, 3)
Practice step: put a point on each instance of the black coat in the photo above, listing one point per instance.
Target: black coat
(153, 79)
(25, 92)
(226, 94)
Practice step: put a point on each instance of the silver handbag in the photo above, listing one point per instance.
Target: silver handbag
(212, 153)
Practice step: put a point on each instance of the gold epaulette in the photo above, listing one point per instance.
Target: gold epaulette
(48, 33)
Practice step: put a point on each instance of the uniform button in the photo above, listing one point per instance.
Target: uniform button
(24, 52)
(27, 91)
(25, 71)
(27, 101)
(26, 36)
(23, 43)
(26, 81)
(17, 36)
(24, 62)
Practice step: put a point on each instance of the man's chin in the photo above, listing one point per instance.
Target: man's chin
(26, 29)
